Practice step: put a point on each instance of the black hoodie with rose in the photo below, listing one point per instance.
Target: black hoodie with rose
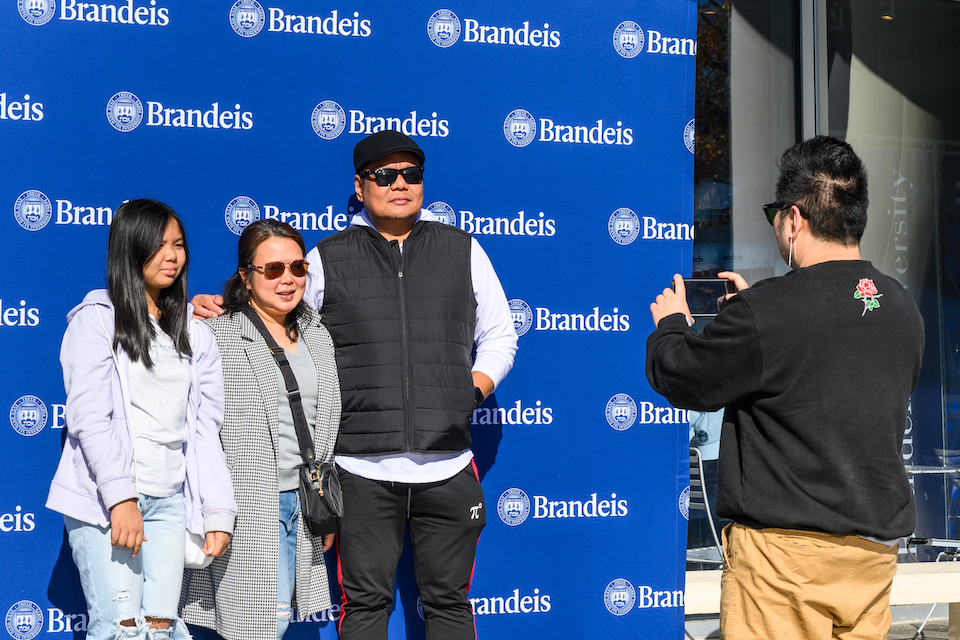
(815, 370)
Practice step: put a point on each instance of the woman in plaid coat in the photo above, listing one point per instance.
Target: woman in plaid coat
(273, 564)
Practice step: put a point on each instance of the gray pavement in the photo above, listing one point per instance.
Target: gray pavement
(934, 630)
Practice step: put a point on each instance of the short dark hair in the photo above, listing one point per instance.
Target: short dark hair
(136, 234)
(824, 177)
(235, 294)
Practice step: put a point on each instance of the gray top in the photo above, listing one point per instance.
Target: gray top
(289, 459)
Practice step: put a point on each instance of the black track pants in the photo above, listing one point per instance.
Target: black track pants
(444, 519)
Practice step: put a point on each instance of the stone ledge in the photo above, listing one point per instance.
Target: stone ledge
(915, 583)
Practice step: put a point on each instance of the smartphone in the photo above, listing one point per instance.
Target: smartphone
(706, 296)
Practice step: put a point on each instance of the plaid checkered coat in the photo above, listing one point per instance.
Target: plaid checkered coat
(237, 594)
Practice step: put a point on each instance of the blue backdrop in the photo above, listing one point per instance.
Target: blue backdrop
(559, 134)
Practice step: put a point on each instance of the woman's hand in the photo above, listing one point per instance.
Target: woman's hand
(126, 526)
(217, 543)
(328, 541)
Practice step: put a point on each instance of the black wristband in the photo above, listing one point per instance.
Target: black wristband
(477, 397)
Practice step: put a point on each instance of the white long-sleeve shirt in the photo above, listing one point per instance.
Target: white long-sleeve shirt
(496, 343)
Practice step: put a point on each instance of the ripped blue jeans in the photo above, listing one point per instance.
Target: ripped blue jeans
(119, 587)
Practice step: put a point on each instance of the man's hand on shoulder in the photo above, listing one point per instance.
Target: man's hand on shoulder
(207, 306)
(671, 301)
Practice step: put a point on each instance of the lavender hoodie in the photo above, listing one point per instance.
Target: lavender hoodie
(96, 468)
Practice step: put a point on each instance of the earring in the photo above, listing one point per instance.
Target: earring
(790, 256)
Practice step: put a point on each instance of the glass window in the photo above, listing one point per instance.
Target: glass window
(881, 74)
(892, 91)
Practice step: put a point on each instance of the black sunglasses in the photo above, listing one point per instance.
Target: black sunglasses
(386, 177)
(771, 210)
(273, 270)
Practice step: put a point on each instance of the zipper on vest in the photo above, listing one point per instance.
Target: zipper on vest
(404, 345)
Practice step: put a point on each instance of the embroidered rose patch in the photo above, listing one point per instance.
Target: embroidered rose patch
(867, 291)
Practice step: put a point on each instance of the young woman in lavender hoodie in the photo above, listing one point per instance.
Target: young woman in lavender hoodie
(142, 462)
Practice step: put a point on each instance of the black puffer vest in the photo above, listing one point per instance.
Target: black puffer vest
(403, 328)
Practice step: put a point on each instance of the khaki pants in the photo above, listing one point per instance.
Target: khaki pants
(804, 585)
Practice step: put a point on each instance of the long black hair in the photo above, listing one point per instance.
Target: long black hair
(136, 235)
(235, 294)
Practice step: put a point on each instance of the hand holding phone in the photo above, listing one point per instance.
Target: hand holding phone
(706, 296)
(671, 301)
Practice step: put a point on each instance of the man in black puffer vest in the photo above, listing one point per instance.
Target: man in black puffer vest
(406, 298)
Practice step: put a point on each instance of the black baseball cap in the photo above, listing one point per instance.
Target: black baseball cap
(380, 145)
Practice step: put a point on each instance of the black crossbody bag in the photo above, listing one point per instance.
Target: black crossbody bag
(321, 500)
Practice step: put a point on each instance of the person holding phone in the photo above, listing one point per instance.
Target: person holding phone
(815, 370)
